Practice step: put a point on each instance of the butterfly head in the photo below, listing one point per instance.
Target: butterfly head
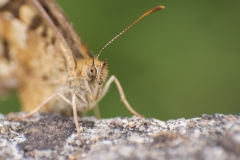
(97, 71)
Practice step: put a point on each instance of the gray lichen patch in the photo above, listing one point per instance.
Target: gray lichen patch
(50, 132)
(52, 136)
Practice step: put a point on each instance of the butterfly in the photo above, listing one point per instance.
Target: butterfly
(44, 59)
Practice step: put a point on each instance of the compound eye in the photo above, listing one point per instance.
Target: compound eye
(91, 71)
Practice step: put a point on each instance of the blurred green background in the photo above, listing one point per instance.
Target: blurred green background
(179, 62)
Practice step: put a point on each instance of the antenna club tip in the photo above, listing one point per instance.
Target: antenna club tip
(157, 8)
(160, 7)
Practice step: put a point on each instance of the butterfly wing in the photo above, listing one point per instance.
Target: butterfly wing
(39, 49)
(66, 31)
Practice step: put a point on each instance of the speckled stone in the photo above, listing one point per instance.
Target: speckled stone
(52, 136)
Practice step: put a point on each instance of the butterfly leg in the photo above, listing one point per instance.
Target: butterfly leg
(96, 111)
(41, 105)
(75, 117)
(122, 95)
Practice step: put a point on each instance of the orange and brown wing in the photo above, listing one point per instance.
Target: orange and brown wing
(38, 49)
(66, 31)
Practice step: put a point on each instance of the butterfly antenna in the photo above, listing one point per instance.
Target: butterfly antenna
(91, 53)
(130, 26)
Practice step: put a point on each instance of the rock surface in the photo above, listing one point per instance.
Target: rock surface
(52, 136)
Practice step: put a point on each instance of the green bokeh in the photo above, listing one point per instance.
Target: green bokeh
(180, 62)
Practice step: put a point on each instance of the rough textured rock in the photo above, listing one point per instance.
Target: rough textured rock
(52, 136)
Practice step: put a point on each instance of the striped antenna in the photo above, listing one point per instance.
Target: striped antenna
(130, 26)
